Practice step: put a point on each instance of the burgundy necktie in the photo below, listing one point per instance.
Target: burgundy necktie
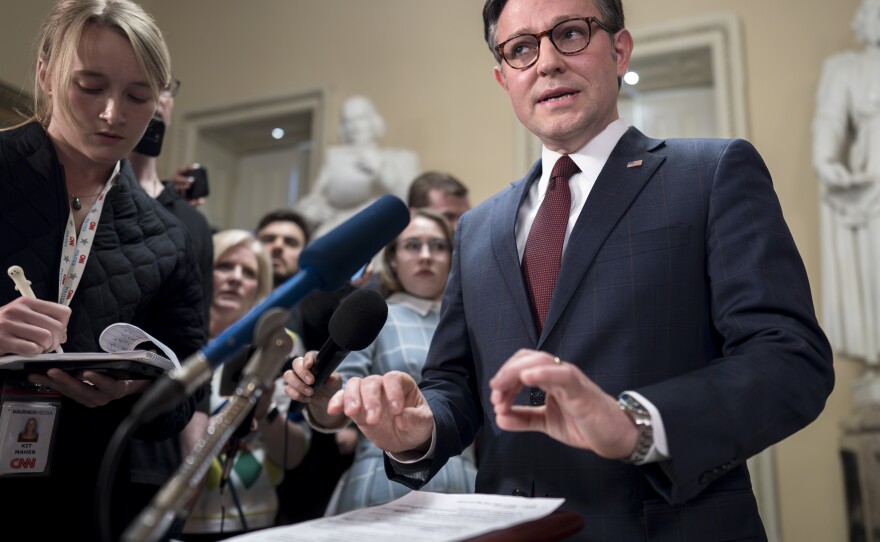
(543, 253)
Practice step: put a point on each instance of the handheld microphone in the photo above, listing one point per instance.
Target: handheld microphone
(327, 263)
(354, 326)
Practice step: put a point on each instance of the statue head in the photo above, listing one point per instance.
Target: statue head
(866, 22)
(359, 122)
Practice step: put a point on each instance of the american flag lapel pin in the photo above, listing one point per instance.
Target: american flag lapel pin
(634, 163)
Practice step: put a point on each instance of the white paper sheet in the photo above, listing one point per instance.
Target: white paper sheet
(122, 337)
(419, 515)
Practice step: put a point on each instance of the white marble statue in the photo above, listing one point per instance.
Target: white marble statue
(358, 171)
(846, 158)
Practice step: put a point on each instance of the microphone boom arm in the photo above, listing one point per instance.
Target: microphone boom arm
(258, 377)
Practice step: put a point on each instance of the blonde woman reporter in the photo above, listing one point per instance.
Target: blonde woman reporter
(97, 251)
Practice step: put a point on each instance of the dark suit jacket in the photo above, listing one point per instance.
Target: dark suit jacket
(680, 281)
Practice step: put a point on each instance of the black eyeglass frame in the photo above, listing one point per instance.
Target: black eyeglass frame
(173, 87)
(549, 33)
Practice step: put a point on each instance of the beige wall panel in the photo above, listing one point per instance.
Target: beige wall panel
(422, 63)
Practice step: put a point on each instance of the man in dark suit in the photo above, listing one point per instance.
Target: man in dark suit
(678, 340)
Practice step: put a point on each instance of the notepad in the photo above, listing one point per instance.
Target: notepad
(119, 359)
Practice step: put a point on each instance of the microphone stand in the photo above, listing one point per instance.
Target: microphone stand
(258, 377)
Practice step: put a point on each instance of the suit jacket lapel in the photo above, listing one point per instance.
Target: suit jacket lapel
(503, 235)
(618, 184)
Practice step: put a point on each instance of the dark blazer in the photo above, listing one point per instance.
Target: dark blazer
(141, 270)
(680, 281)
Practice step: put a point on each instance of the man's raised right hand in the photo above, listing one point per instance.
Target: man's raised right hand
(389, 409)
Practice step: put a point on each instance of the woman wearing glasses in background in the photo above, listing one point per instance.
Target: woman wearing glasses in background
(97, 251)
(414, 273)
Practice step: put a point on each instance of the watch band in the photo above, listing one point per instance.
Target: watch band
(642, 419)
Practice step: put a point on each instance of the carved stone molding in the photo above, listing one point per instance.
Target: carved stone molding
(721, 33)
(15, 105)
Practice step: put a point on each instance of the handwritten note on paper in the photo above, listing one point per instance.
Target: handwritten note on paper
(121, 337)
(420, 515)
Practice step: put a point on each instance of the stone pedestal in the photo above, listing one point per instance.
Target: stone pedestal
(860, 455)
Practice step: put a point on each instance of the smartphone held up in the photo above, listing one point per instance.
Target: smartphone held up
(199, 186)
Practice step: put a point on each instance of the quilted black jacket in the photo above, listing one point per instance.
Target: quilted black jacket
(141, 270)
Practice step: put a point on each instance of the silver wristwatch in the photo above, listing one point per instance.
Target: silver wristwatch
(642, 418)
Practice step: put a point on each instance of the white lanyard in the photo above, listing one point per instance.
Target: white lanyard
(75, 250)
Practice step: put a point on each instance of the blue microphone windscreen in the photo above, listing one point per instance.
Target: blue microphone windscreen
(335, 256)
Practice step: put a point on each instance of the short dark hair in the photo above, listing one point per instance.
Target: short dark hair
(610, 13)
(421, 186)
(286, 215)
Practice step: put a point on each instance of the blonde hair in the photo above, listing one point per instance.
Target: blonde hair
(228, 239)
(60, 37)
(389, 283)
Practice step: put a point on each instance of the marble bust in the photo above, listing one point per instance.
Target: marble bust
(358, 170)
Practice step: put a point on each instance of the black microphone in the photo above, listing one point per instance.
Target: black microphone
(354, 326)
(326, 264)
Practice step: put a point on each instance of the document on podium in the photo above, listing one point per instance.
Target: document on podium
(419, 515)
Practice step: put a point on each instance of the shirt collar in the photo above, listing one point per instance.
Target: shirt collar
(418, 304)
(591, 157)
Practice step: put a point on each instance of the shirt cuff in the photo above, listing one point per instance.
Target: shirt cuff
(659, 450)
(320, 428)
(409, 457)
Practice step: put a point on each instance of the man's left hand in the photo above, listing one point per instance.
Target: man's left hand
(576, 411)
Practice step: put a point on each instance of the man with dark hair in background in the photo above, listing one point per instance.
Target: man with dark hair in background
(441, 193)
(145, 167)
(285, 233)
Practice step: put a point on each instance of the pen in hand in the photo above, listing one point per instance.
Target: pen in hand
(23, 285)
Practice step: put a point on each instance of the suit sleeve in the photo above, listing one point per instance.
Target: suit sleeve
(448, 383)
(775, 369)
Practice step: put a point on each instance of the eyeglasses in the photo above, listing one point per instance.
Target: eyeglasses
(569, 37)
(413, 246)
(172, 87)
